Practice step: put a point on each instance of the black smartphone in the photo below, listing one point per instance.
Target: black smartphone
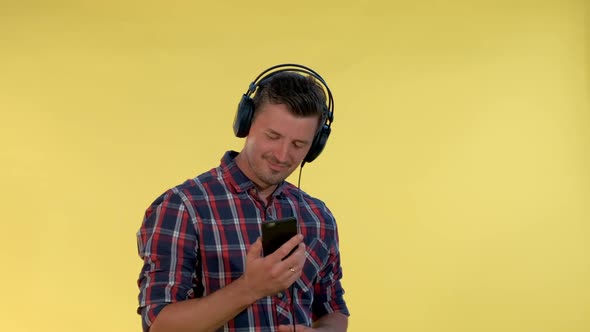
(276, 232)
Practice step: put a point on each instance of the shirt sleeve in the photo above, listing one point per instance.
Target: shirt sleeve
(167, 243)
(328, 291)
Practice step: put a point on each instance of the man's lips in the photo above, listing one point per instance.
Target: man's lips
(277, 166)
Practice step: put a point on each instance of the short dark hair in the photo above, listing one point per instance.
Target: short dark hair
(303, 95)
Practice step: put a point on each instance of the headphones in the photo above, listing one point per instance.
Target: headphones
(245, 112)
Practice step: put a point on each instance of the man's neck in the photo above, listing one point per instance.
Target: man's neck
(265, 195)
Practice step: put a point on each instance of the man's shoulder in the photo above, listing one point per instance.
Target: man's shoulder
(191, 189)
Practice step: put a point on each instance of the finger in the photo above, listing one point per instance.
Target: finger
(255, 250)
(297, 259)
(285, 328)
(292, 273)
(286, 248)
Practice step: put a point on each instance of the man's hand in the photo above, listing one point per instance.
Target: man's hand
(270, 275)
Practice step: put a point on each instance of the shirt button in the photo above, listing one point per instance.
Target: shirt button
(280, 295)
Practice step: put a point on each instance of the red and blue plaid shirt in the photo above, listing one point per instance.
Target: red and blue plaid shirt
(194, 239)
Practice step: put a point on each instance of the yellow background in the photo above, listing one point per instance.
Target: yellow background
(458, 167)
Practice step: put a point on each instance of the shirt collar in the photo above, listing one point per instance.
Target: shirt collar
(238, 181)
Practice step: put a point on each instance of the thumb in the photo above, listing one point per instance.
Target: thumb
(255, 250)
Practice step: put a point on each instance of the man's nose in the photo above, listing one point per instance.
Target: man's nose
(282, 152)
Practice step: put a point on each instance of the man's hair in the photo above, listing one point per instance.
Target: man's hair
(302, 95)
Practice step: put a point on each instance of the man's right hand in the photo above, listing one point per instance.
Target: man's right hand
(266, 276)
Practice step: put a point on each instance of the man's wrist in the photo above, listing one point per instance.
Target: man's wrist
(245, 291)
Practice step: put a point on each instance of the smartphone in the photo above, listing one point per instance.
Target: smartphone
(276, 232)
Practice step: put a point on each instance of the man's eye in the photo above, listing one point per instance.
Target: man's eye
(273, 137)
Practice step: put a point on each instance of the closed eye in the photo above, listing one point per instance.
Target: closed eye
(299, 144)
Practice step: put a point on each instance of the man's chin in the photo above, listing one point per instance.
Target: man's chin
(275, 178)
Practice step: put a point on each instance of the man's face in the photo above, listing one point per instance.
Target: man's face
(276, 144)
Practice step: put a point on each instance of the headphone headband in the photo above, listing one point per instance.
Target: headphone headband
(291, 67)
(245, 112)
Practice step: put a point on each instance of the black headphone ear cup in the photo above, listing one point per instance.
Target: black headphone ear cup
(243, 119)
(319, 142)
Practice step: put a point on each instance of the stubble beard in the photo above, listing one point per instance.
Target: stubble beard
(268, 176)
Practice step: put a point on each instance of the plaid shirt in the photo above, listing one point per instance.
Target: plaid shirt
(194, 239)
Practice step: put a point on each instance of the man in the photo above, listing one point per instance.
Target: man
(204, 269)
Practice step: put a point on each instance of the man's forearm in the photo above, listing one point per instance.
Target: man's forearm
(334, 322)
(204, 314)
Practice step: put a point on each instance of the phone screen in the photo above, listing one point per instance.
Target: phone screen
(276, 232)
